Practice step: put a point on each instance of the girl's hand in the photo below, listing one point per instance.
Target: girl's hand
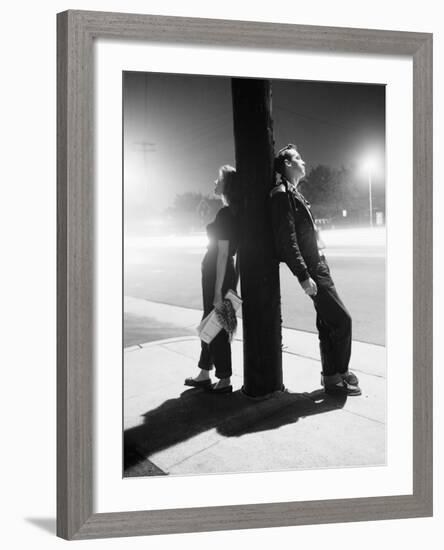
(217, 299)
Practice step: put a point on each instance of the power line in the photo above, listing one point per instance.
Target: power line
(320, 120)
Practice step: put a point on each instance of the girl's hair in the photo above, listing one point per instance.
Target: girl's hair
(231, 187)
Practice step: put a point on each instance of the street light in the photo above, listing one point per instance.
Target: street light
(369, 166)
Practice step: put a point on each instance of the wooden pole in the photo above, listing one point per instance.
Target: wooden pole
(259, 271)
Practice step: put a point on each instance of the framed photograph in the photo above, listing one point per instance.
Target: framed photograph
(244, 275)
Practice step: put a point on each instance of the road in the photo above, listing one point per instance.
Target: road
(168, 270)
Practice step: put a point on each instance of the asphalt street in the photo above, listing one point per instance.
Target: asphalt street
(168, 271)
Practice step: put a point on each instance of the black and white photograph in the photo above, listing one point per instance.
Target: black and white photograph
(222, 236)
(254, 274)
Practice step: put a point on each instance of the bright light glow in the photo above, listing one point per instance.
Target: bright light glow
(198, 240)
(370, 163)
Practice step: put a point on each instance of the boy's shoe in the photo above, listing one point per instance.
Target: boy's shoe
(342, 388)
(347, 385)
(351, 378)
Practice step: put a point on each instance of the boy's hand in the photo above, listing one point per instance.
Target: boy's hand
(310, 287)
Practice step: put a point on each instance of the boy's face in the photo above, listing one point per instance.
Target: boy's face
(294, 164)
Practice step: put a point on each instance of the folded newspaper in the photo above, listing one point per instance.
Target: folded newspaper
(210, 325)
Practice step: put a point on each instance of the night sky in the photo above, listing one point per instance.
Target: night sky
(178, 130)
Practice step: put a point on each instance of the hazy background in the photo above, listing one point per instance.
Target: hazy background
(178, 129)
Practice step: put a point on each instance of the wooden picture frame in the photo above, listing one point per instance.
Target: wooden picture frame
(77, 31)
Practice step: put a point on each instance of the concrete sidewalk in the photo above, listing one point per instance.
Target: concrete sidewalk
(172, 429)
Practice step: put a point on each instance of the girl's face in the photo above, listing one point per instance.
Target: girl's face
(218, 186)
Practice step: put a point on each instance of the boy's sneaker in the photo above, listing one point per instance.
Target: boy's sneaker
(347, 385)
(350, 378)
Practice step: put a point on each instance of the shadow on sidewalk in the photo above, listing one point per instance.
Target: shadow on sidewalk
(233, 415)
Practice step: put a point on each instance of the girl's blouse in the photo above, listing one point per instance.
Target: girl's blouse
(224, 228)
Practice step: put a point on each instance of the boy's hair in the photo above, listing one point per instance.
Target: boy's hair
(283, 154)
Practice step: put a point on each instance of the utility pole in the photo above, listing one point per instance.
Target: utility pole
(259, 271)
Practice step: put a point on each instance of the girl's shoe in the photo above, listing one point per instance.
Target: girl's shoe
(197, 383)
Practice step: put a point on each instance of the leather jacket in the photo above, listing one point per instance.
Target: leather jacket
(294, 230)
